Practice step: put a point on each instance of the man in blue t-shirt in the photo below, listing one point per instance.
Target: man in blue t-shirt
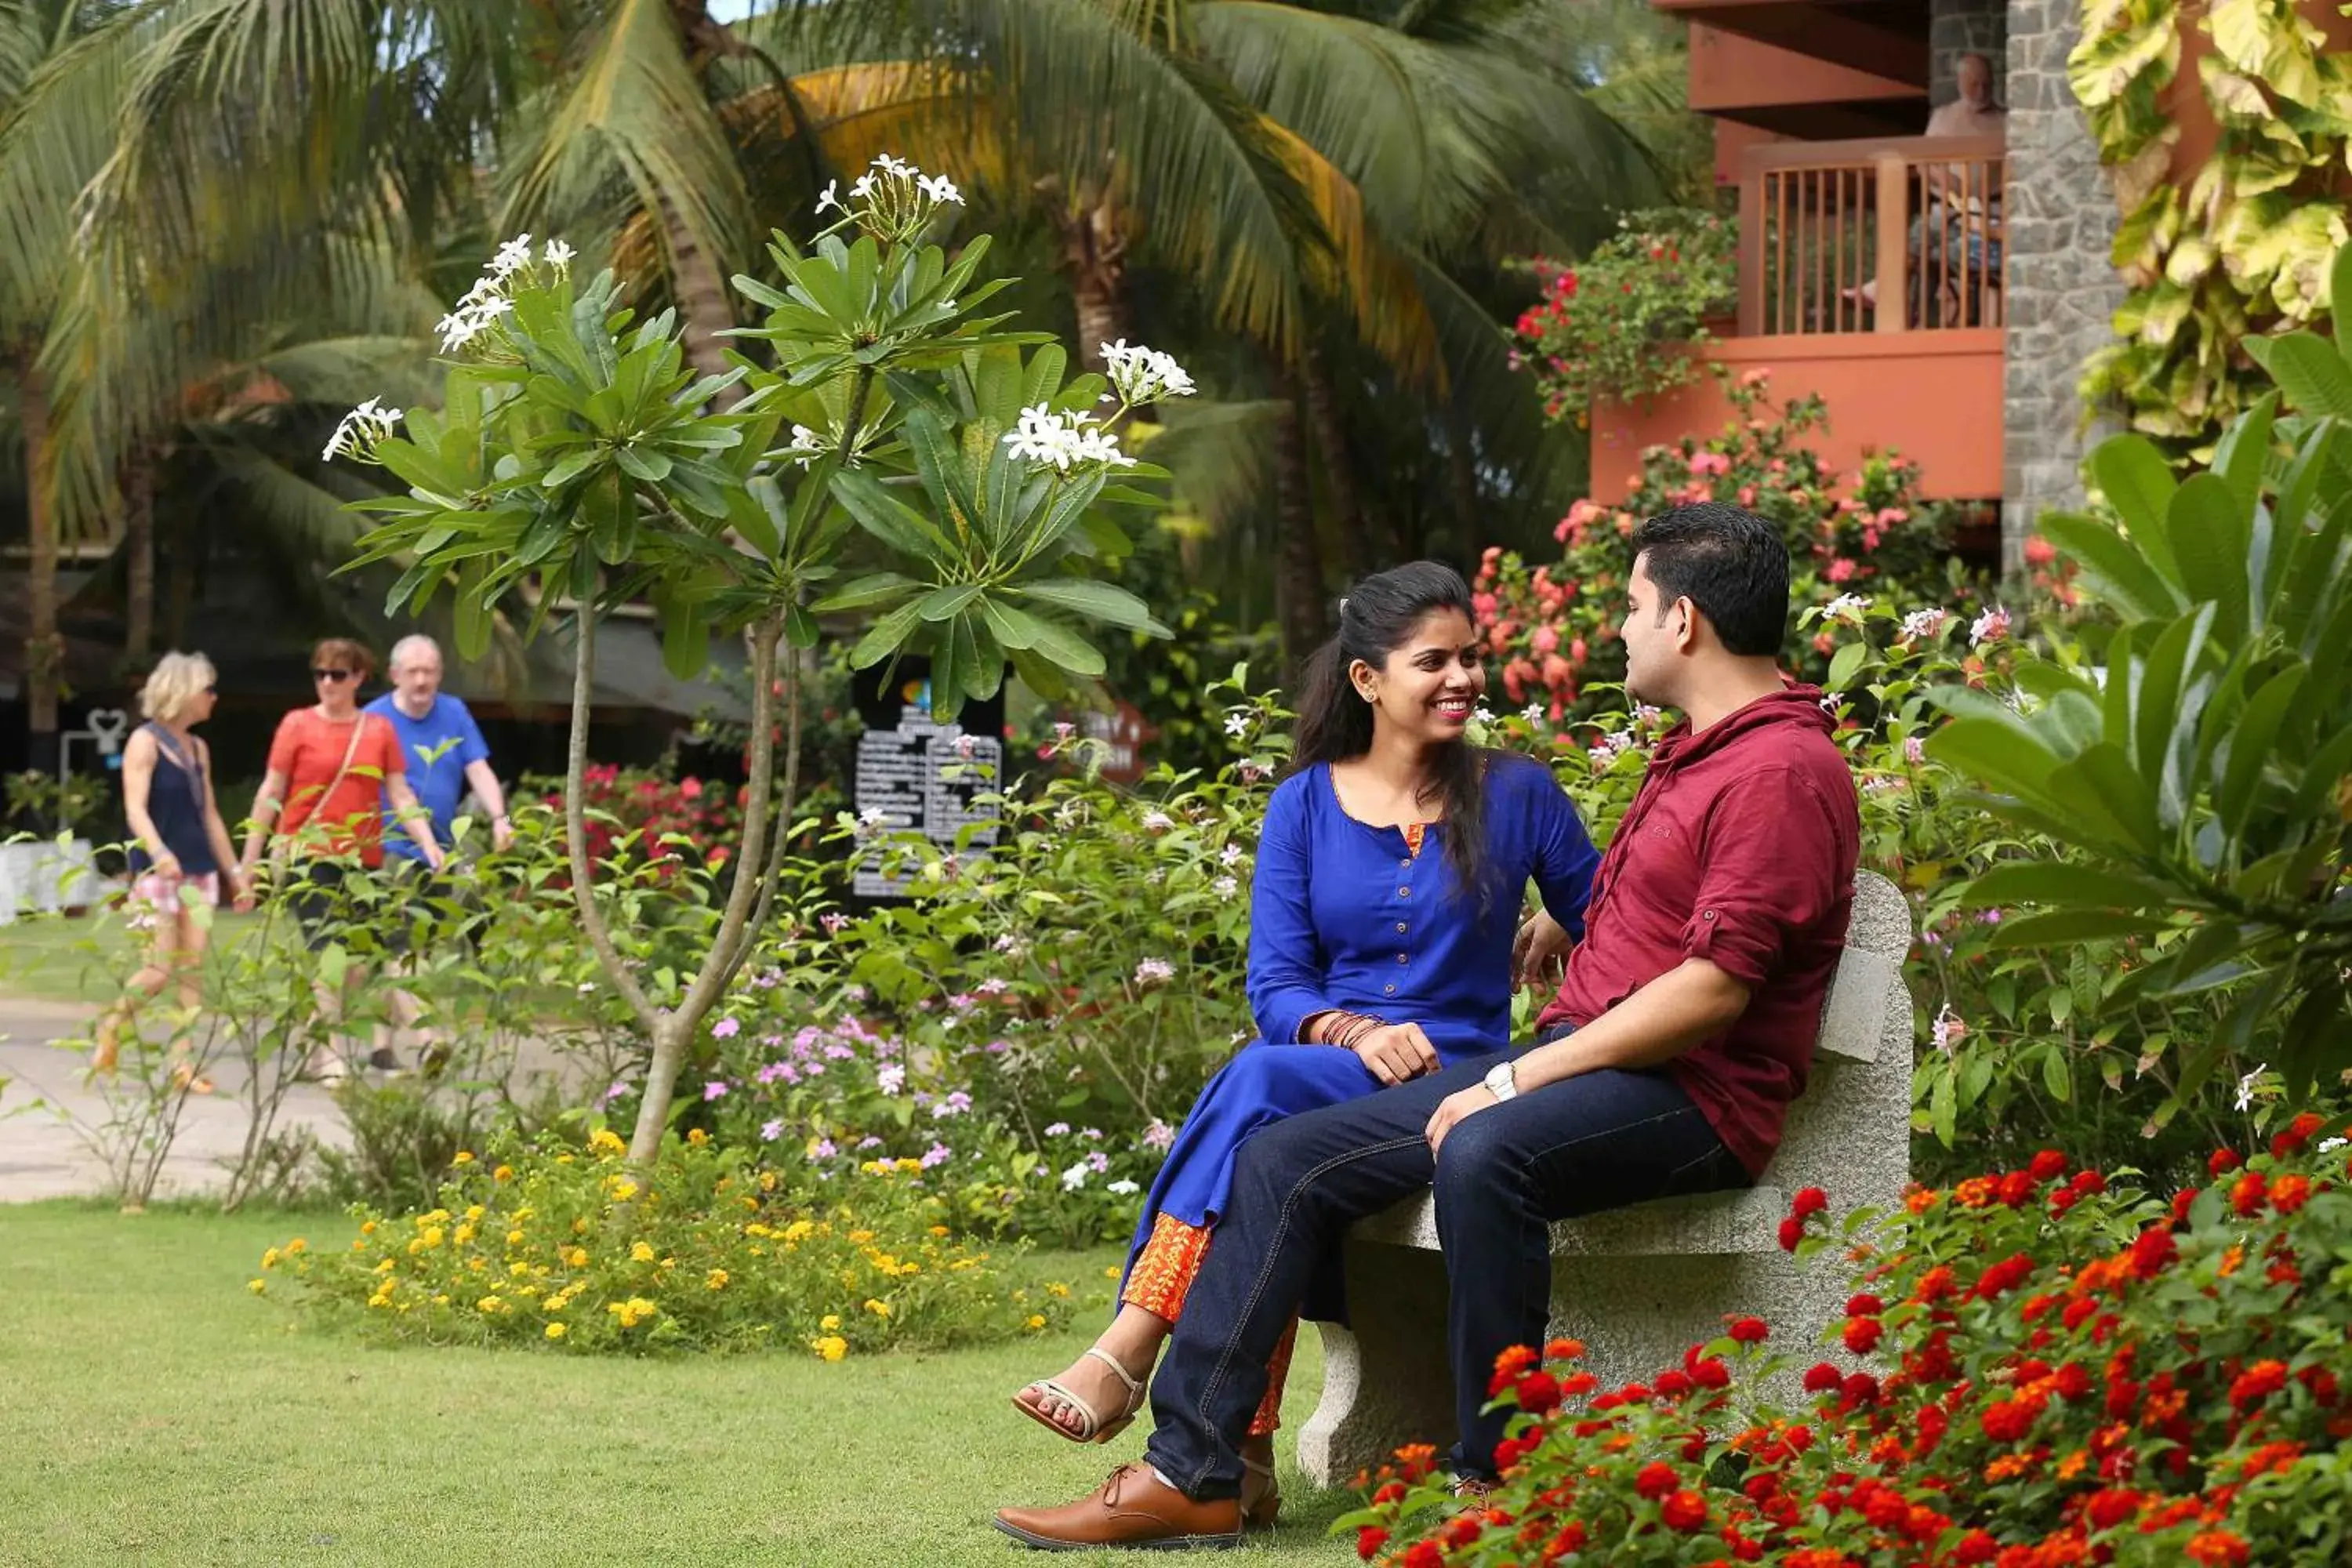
(442, 746)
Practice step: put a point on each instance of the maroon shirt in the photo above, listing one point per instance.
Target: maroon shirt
(1741, 849)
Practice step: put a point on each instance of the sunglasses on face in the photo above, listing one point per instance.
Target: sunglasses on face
(330, 674)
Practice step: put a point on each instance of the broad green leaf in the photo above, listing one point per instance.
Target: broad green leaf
(2207, 527)
(2314, 378)
(2061, 884)
(2139, 483)
(1097, 601)
(2116, 568)
(2062, 928)
(2249, 745)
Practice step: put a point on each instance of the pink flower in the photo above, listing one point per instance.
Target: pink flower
(1915, 750)
(1991, 626)
(714, 1089)
(725, 1029)
(691, 788)
(1158, 1134)
(1709, 465)
(1948, 1030)
(1840, 570)
(1546, 640)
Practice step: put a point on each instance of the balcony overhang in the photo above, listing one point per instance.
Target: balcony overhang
(1883, 38)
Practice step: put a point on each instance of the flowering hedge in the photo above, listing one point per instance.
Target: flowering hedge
(552, 1243)
(653, 818)
(2064, 1370)
(1552, 627)
(1609, 326)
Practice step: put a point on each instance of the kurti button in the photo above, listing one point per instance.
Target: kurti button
(1402, 959)
(1404, 864)
(1399, 928)
(1407, 892)
(1389, 989)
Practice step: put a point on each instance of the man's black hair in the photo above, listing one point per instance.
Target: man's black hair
(1729, 562)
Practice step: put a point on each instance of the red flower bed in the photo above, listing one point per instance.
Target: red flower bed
(2068, 1370)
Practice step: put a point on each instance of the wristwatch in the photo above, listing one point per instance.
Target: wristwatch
(1501, 1083)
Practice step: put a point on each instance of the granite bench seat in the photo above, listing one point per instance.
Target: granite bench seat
(1638, 1285)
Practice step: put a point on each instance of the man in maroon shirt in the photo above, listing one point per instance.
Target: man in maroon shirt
(1682, 1029)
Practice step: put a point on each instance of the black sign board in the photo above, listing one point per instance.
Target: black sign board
(916, 775)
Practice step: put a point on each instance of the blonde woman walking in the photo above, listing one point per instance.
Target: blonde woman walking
(181, 861)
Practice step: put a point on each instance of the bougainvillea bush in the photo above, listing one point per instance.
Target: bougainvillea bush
(1615, 324)
(560, 1243)
(2038, 1367)
(1551, 628)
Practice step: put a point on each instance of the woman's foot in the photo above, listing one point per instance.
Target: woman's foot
(106, 1049)
(185, 1076)
(1093, 1402)
(325, 1067)
(1261, 1488)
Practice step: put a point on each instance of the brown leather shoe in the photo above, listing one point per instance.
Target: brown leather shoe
(1133, 1508)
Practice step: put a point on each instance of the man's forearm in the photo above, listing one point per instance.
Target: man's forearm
(1679, 1010)
(486, 789)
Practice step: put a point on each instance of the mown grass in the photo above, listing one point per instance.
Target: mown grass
(153, 1412)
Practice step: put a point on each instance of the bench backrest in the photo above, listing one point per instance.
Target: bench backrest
(1877, 940)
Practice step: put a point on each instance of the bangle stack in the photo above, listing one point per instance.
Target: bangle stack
(1346, 1030)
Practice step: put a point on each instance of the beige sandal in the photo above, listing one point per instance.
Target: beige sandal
(1092, 1428)
(1258, 1511)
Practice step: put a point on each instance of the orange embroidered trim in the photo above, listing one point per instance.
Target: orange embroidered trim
(1270, 1409)
(1164, 1271)
(1415, 832)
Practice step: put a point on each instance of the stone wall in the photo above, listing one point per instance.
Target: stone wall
(1957, 28)
(2059, 289)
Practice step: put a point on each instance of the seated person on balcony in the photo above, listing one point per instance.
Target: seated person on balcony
(1960, 221)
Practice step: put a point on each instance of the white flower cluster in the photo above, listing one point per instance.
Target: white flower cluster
(1141, 375)
(1921, 625)
(1610, 747)
(1064, 440)
(1845, 605)
(1991, 626)
(486, 302)
(807, 445)
(358, 432)
(893, 200)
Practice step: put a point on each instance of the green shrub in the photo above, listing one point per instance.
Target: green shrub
(550, 1242)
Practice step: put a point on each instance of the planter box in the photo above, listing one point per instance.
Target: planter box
(47, 876)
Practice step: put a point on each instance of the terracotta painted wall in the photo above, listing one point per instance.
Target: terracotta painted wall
(1936, 397)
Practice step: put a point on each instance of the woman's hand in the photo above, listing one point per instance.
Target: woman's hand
(164, 863)
(1397, 1052)
(1539, 954)
(240, 893)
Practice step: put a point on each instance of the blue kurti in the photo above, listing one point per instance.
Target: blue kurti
(1343, 915)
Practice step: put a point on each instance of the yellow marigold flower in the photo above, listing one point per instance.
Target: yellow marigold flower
(861, 1236)
(503, 1174)
(430, 1235)
(756, 1228)
(438, 1216)
(576, 1257)
(604, 1140)
(518, 1268)
(622, 1189)
(488, 1304)
(579, 1226)
(832, 1347)
(379, 1300)
(832, 1320)
(367, 1228)
(1112, 1272)
(698, 1137)
(465, 1234)
(767, 1181)
(256, 1286)
(514, 1238)
(939, 1230)
(438, 1301)
(358, 1245)
(269, 1258)
(1057, 1288)
(296, 1245)
(555, 1330)
(880, 1309)
(757, 1251)
(799, 1230)
(462, 1157)
(563, 1159)
(385, 1267)
(909, 1165)
(642, 1252)
(715, 1280)
(1035, 1322)
(475, 1211)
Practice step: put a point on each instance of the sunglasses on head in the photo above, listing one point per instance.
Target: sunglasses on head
(316, 674)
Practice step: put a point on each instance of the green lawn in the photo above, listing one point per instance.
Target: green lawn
(153, 1412)
(61, 960)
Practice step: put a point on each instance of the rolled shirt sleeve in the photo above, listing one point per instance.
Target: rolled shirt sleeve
(1285, 958)
(1768, 864)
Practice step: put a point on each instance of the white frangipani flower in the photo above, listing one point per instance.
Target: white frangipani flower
(2246, 1086)
(1144, 375)
(357, 432)
(1845, 604)
(558, 254)
(939, 188)
(514, 255)
(830, 197)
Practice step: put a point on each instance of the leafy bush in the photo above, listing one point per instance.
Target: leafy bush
(552, 1243)
(1608, 326)
(1553, 627)
(2065, 1371)
(2197, 777)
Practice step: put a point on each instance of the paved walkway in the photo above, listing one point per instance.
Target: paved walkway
(49, 1115)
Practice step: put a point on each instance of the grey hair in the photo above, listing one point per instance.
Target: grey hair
(415, 642)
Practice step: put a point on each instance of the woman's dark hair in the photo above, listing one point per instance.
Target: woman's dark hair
(1729, 562)
(1335, 722)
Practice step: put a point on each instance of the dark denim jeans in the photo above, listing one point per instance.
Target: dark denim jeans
(1597, 1141)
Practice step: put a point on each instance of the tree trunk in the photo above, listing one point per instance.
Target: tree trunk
(139, 551)
(1096, 254)
(1462, 475)
(1299, 556)
(44, 649)
(702, 304)
(1338, 473)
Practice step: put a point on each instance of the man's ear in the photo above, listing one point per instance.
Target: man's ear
(1686, 634)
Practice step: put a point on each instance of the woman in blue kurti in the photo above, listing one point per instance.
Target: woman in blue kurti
(1369, 962)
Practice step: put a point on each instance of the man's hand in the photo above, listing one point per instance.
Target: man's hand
(1539, 954)
(502, 834)
(1453, 1109)
(1397, 1052)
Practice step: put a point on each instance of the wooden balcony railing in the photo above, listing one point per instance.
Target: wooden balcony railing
(1901, 234)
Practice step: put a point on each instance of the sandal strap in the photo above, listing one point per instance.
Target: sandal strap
(1135, 1385)
(1091, 1418)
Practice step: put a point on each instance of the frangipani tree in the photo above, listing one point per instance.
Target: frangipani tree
(580, 463)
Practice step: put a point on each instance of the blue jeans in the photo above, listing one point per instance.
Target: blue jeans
(1596, 1141)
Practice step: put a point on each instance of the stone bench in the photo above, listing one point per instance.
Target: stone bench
(1639, 1285)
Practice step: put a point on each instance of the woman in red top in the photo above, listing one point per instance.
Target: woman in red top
(329, 766)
